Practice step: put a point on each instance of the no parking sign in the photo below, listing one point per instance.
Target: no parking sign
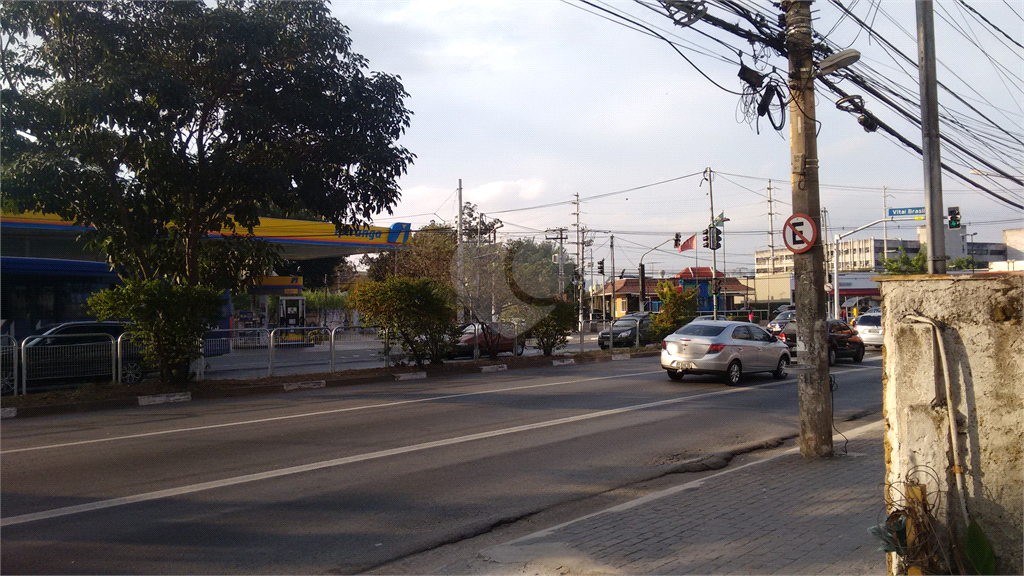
(799, 233)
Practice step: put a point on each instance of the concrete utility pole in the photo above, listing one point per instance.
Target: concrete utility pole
(611, 246)
(814, 392)
(771, 229)
(714, 253)
(561, 273)
(930, 138)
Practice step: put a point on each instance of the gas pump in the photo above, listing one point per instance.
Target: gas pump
(292, 310)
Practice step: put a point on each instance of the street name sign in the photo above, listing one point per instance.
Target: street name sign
(918, 211)
(799, 233)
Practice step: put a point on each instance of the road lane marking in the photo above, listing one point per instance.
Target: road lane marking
(319, 413)
(291, 470)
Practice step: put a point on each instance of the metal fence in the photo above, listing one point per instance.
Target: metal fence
(55, 360)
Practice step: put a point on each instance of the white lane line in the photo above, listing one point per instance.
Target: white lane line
(244, 479)
(312, 414)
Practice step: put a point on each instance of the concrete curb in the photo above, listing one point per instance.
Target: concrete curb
(443, 371)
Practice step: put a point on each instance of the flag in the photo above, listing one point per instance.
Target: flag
(720, 220)
(689, 244)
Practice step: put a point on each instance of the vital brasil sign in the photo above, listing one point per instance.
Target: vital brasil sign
(918, 211)
(799, 233)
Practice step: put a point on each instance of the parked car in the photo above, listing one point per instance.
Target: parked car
(869, 328)
(785, 308)
(875, 310)
(779, 322)
(494, 339)
(730, 349)
(624, 330)
(74, 352)
(843, 342)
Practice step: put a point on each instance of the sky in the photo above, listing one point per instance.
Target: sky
(530, 103)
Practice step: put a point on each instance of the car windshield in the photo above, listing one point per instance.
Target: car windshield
(869, 321)
(625, 323)
(700, 330)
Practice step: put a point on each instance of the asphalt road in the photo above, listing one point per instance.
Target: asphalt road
(346, 480)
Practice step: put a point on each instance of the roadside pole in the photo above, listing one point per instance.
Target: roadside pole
(813, 390)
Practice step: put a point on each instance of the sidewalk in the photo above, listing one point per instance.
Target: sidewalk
(777, 515)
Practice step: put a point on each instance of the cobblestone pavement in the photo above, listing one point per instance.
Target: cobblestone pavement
(778, 515)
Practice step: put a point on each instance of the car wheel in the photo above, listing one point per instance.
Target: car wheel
(832, 356)
(522, 348)
(131, 373)
(8, 383)
(675, 375)
(859, 354)
(733, 373)
(780, 371)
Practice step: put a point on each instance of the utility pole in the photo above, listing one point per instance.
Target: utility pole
(459, 259)
(771, 229)
(612, 249)
(813, 390)
(714, 253)
(885, 229)
(561, 237)
(930, 138)
(579, 266)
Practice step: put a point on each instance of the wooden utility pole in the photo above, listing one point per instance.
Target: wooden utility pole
(814, 392)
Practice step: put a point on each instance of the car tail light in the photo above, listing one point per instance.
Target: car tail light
(716, 348)
(782, 337)
(664, 345)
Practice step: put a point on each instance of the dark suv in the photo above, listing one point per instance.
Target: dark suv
(75, 352)
(624, 329)
(843, 342)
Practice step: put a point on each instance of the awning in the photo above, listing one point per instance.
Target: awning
(851, 302)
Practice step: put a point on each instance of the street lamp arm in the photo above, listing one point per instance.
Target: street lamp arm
(653, 249)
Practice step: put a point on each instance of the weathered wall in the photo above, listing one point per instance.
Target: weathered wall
(981, 329)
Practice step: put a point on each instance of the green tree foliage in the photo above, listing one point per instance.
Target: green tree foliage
(159, 123)
(166, 320)
(552, 331)
(420, 311)
(428, 254)
(904, 264)
(966, 263)
(677, 308)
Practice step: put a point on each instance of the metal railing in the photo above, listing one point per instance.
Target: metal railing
(44, 358)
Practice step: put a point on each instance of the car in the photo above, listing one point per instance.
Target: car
(71, 353)
(493, 339)
(785, 308)
(624, 330)
(779, 322)
(869, 328)
(730, 349)
(843, 342)
(875, 310)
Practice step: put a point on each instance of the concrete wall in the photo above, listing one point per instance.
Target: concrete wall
(981, 329)
(1014, 240)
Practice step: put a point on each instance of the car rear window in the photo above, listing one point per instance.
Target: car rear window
(869, 321)
(700, 330)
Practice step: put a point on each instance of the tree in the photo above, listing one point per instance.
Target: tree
(167, 321)
(552, 331)
(159, 123)
(904, 264)
(677, 308)
(965, 263)
(428, 254)
(420, 311)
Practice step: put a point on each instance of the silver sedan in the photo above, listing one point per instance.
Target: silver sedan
(869, 328)
(727, 348)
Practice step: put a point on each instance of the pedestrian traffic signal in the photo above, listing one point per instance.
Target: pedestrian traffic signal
(716, 238)
(706, 235)
(954, 217)
(678, 240)
(600, 266)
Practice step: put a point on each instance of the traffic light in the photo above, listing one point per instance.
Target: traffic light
(954, 217)
(600, 266)
(678, 240)
(716, 238)
(706, 235)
